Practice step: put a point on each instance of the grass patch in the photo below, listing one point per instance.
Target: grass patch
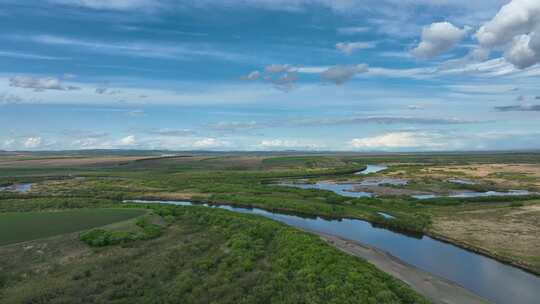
(21, 227)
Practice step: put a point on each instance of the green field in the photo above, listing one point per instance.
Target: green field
(21, 227)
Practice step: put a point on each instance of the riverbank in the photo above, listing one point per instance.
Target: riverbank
(485, 252)
(436, 289)
(291, 211)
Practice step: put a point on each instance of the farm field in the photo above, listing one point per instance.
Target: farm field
(22, 227)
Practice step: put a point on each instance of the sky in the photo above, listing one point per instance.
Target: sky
(321, 75)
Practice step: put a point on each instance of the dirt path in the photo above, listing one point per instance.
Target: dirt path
(438, 290)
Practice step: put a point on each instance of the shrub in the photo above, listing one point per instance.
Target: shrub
(101, 237)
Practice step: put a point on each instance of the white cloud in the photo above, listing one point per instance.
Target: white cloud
(255, 75)
(521, 54)
(136, 48)
(22, 55)
(516, 18)
(340, 74)
(128, 140)
(517, 28)
(278, 68)
(352, 30)
(350, 47)
(438, 38)
(39, 84)
(9, 143)
(32, 142)
(109, 4)
(289, 144)
(413, 141)
(205, 142)
(285, 82)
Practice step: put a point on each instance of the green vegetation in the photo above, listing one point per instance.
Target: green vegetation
(102, 237)
(213, 256)
(415, 224)
(20, 227)
(189, 264)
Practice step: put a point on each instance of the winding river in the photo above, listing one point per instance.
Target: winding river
(486, 277)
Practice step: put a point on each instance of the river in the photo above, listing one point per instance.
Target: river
(486, 277)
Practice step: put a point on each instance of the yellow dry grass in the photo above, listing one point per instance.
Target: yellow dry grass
(511, 232)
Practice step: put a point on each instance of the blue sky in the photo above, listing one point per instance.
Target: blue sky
(344, 75)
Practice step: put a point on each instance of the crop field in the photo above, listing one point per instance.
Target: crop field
(21, 227)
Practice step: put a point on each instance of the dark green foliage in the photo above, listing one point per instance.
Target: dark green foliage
(416, 223)
(516, 204)
(216, 256)
(101, 237)
(52, 203)
(452, 201)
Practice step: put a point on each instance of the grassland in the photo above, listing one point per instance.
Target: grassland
(509, 233)
(21, 227)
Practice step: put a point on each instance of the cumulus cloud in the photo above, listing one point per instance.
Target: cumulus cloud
(340, 74)
(515, 27)
(32, 142)
(350, 47)
(438, 38)
(205, 142)
(515, 18)
(522, 53)
(128, 140)
(285, 82)
(209, 142)
(289, 144)
(278, 68)
(255, 75)
(520, 108)
(39, 84)
(282, 76)
(397, 140)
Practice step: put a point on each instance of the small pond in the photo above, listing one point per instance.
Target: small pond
(20, 188)
(477, 194)
(343, 189)
(372, 169)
